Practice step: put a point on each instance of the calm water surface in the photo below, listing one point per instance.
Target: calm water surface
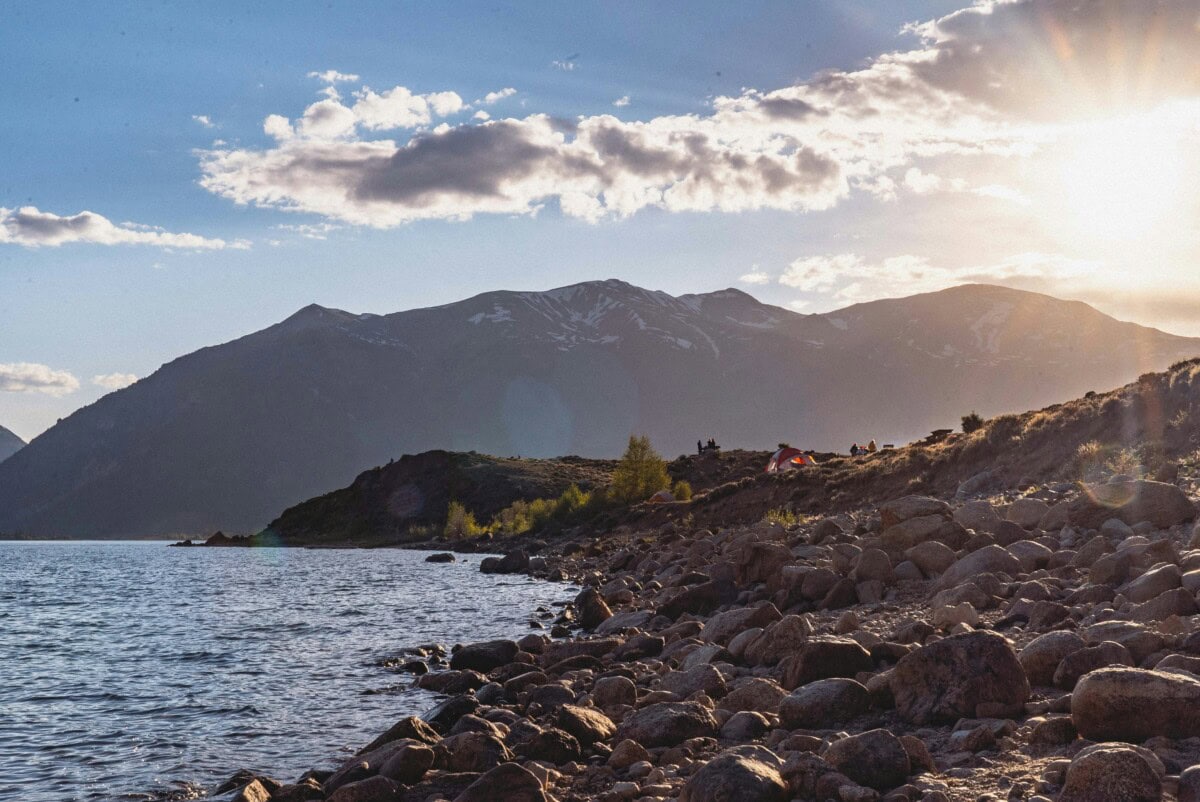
(128, 668)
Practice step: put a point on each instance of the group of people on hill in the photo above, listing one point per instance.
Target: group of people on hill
(711, 445)
(857, 451)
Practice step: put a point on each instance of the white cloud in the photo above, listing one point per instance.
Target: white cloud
(317, 231)
(756, 276)
(1002, 192)
(114, 381)
(494, 97)
(204, 120)
(30, 377)
(333, 76)
(952, 101)
(33, 228)
(481, 115)
(621, 102)
(847, 277)
(563, 64)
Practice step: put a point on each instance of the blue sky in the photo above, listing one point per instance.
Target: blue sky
(154, 118)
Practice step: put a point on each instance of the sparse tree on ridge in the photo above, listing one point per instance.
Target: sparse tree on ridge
(641, 472)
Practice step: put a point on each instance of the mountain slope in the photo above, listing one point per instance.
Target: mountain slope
(229, 435)
(9, 444)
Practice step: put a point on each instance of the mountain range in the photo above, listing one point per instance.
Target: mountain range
(9, 444)
(228, 436)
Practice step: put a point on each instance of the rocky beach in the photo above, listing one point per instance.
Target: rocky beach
(1034, 646)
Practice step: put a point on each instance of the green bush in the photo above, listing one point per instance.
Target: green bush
(972, 423)
(682, 490)
(640, 474)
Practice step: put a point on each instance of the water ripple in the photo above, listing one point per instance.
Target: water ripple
(133, 671)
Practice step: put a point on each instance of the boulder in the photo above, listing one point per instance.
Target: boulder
(1027, 512)
(778, 640)
(976, 674)
(978, 515)
(873, 564)
(1031, 554)
(1042, 655)
(1158, 503)
(701, 679)
(1140, 641)
(484, 657)
(667, 724)
(757, 694)
(372, 789)
(1111, 773)
(629, 619)
(745, 725)
(593, 610)
(515, 562)
(587, 724)
(1134, 704)
(931, 557)
(761, 562)
(824, 657)
(412, 728)
(987, 560)
(736, 775)
(903, 509)
(876, 759)
(1156, 581)
(907, 534)
(1173, 602)
(550, 745)
(408, 764)
(611, 691)
(470, 751)
(721, 627)
(824, 704)
(509, 782)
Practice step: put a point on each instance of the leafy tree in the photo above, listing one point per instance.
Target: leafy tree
(682, 490)
(972, 422)
(640, 474)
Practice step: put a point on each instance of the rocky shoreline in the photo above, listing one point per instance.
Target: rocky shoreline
(1035, 647)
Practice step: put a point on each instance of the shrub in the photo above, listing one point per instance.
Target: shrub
(460, 523)
(682, 490)
(972, 422)
(640, 474)
(781, 516)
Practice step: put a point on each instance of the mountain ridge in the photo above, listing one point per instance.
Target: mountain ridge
(10, 443)
(225, 437)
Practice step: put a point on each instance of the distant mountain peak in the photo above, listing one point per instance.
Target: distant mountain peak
(9, 444)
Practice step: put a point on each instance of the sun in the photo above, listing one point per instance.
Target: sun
(1122, 181)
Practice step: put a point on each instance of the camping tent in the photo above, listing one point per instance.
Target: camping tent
(661, 497)
(789, 459)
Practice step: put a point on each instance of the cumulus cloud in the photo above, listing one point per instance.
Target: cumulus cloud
(959, 94)
(496, 97)
(114, 381)
(1057, 59)
(848, 277)
(621, 102)
(204, 120)
(563, 64)
(756, 276)
(30, 377)
(333, 76)
(33, 228)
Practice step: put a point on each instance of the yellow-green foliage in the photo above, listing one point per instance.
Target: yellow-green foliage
(781, 516)
(682, 490)
(640, 474)
(460, 523)
(525, 516)
(1095, 461)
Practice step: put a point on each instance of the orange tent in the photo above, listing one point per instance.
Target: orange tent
(789, 459)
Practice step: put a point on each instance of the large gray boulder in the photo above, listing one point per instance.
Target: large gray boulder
(976, 674)
(1111, 773)
(903, 509)
(484, 657)
(1158, 503)
(824, 704)
(667, 724)
(1133, 704)
(736, 775)
(987, 560)
(1043, 654)
(876, 759)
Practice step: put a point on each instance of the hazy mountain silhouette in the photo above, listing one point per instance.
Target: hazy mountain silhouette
(229, 435)
(9, 444)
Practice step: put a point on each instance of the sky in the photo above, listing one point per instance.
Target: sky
(173, 176)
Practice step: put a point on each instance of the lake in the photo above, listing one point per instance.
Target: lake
(132, 669)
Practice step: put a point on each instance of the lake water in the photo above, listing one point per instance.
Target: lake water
(130, 668)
